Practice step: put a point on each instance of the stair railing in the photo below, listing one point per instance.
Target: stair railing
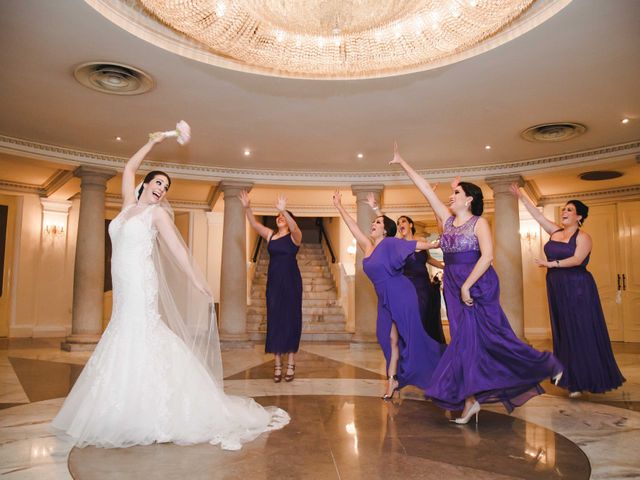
(256, 250)
(323, 234)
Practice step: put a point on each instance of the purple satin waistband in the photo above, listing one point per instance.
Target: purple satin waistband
(453, 258)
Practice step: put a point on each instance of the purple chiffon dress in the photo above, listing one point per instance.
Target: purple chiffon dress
(484, 358)
(580, 337)
(284, 297)
(398, 303)
(415, 269)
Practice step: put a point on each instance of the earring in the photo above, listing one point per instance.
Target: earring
(467, 204)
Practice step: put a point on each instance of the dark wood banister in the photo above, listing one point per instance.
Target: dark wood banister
(324, 235)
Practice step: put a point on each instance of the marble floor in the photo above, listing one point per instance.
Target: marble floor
(340, 429)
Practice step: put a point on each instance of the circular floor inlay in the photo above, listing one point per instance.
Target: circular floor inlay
(347, 437)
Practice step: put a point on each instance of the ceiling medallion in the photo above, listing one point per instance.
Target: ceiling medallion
(113, 78)
(329, 39)
(553, 132)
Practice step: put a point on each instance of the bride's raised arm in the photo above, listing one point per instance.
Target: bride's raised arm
(440, 209)
(131, 167)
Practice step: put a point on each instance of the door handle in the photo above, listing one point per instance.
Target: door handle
(624, 282)
(618, 282)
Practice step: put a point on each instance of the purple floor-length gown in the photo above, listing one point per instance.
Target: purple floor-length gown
(580, 337)
(284, 297)
(415, 269)
(398, 303)
(485, 358)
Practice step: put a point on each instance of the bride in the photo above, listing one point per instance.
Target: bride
(156, 374)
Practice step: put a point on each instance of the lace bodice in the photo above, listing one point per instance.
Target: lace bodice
(459, 239)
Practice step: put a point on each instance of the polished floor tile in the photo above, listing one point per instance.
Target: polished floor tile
(355, 437)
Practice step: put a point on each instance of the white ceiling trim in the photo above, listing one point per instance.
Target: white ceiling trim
(27, 148)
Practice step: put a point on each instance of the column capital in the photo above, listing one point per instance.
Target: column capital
(501, 183)
(363, 189)
(91, 174)
(233, 187)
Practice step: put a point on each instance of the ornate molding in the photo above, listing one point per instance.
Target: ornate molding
(115, 200)
(21, 187)
(631, 192)
(26, 148)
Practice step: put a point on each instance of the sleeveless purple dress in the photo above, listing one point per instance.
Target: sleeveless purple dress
(284, 297)
(580, 337)
(398, 303)
(484, 358)
(415, 269)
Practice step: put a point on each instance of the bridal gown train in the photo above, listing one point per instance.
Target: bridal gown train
(143, 384)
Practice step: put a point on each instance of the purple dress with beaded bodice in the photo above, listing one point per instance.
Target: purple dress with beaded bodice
(580, 337)
(484, 358)
(398, 303)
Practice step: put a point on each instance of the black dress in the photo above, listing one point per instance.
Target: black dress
(284, 297)
(428, 294)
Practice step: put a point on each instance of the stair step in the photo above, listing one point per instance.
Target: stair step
(313, 310)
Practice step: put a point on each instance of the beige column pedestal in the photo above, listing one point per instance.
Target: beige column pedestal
(508, 255)
(366, 300)
(233, 274)
(88, 277)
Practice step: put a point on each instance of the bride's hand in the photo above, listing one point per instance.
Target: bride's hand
(156, 137)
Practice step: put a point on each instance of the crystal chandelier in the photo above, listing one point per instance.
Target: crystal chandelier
(345, 39)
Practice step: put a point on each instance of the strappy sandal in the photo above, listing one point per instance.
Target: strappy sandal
(386, 397)
(287, 377)
(277, 373)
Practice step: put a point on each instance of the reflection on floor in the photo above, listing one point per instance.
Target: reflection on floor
(332, 437)
(333, 396)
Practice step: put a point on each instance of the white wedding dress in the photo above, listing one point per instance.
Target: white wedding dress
(143, 383)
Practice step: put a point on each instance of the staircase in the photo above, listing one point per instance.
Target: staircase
(323, 318)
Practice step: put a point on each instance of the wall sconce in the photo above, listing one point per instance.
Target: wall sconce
(530, 236)
(54, 217)
(53, 230)
(351, 249)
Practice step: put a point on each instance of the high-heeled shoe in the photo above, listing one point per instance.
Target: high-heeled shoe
(277, 373)
(396, 389)
(556, 378)
(287, 377)
(474, 410)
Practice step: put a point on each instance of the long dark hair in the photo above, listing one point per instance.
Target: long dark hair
(472, 190)
(150, 176)
(408, 219)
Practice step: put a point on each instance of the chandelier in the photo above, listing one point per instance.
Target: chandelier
(344, 39)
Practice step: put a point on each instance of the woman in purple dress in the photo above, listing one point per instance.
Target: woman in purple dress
(580, 337)
(485, 361)
(411, 355)
(284, 286)
(415, 269)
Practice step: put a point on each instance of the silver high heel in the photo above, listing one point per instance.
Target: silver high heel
(556, 378)
(474, 410)
(386, 397)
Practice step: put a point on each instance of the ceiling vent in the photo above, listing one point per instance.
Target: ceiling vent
(113, 78)
(597, 175)
(553, 132)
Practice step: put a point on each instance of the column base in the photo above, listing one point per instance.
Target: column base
(364, 341)
(80, 343)
(231, 341)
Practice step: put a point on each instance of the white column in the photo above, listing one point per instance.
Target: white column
(233, 272)
(508, 253)
(88, 279)
(366, 300)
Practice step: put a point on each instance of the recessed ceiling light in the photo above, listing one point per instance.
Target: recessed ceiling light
(487, 147)
(625, 120)
(247, 152)
(118, 139)
(361, 155)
